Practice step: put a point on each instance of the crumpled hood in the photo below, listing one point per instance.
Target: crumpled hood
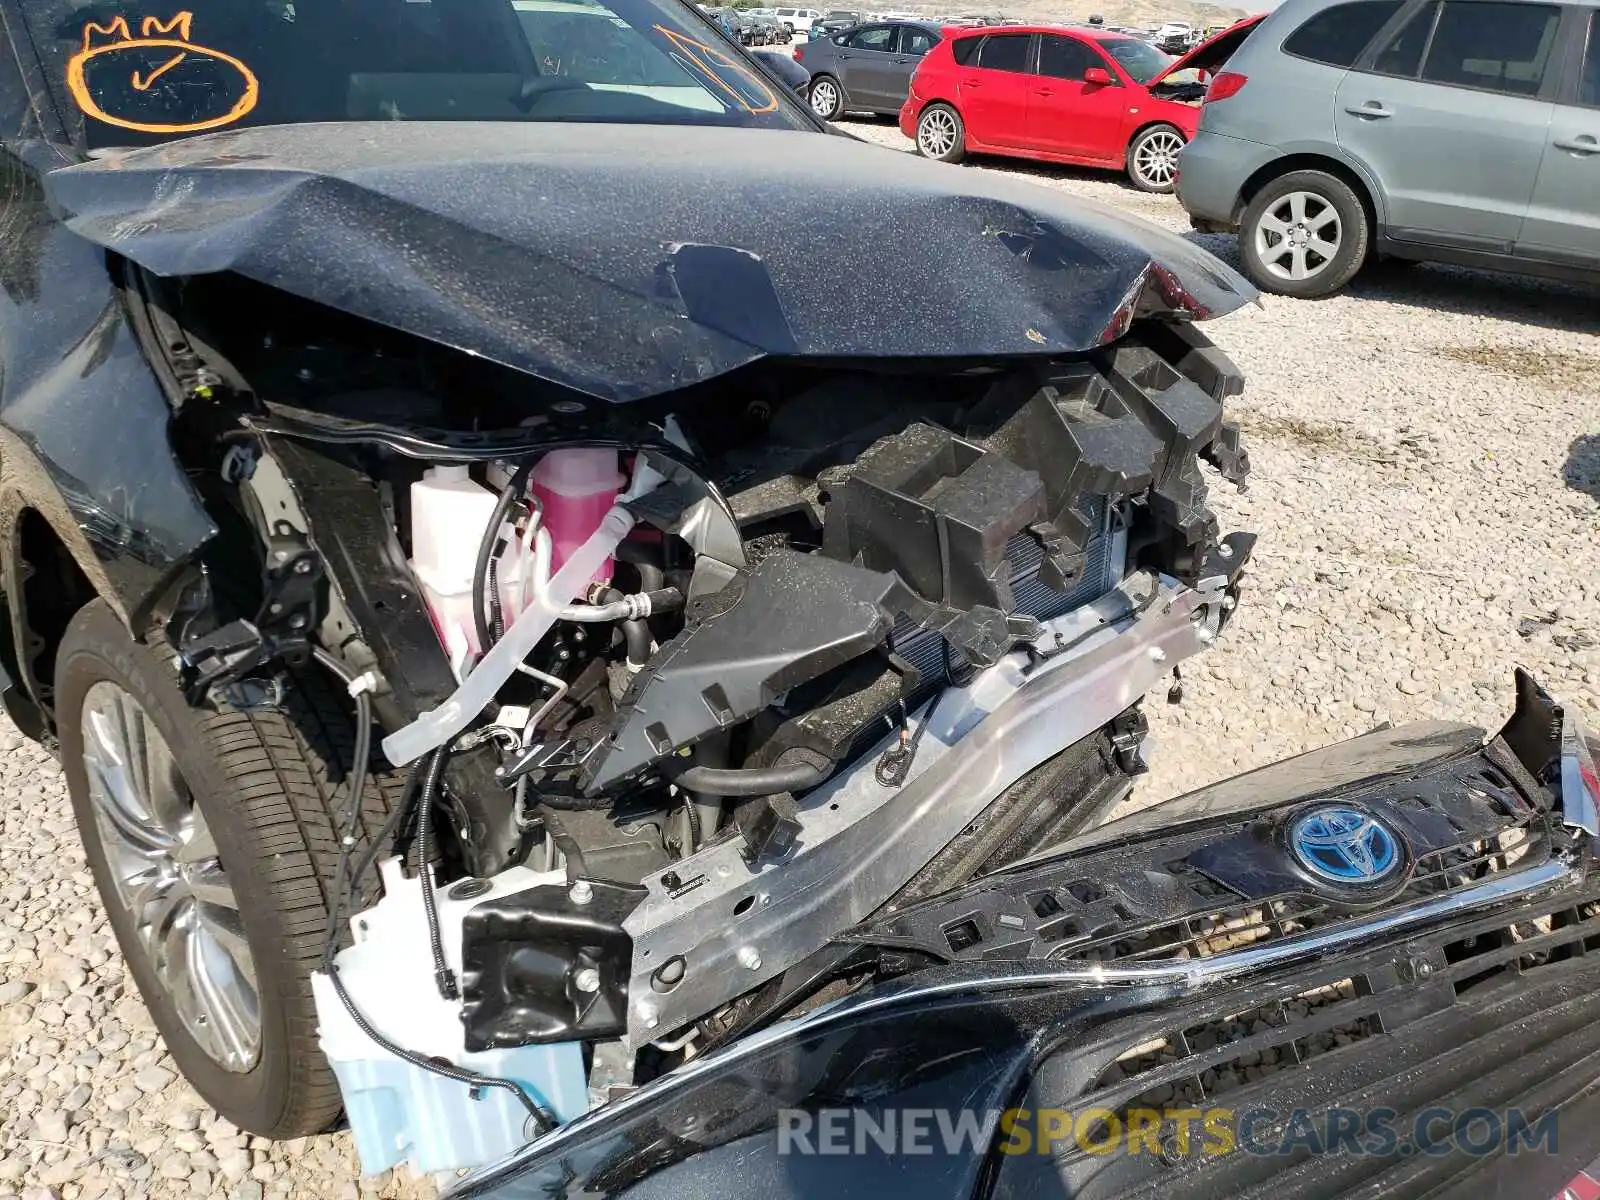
(627, 261)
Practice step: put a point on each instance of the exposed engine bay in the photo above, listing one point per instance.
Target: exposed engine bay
(689, 647)
(688, 693)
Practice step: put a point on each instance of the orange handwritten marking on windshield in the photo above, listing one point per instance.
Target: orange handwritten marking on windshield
(141, 83)
(759, 99)
(102, 41)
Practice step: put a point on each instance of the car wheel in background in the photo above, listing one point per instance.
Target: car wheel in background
(940, 134)
(827, 97)
(1153, 158)
(1304, 234)
(211, 835)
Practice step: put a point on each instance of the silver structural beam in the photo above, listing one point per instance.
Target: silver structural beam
(714, 927)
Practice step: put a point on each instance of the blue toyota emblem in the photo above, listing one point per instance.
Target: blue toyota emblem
(1344, 845)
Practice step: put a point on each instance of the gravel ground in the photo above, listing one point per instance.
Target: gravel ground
(1427, 493)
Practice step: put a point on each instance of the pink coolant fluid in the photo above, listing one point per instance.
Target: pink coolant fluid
(576, 489)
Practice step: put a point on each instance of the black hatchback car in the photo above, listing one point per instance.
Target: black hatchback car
(867, 68)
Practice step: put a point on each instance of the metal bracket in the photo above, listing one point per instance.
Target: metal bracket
(736, 924)
(281, 629)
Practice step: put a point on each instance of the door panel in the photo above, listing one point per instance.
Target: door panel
(1066, 115)
(911, 46)
(866, 66)
(1430, 140)
(993, 91)
(1563, 220)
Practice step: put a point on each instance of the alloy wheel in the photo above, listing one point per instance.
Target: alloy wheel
(824, 98)
(1298, 235)
(168, 876)
(1156, 159)
(936, 133)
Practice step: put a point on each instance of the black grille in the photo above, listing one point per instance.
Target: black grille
(1223, 887)
(1501, 1011)
(1235, 925)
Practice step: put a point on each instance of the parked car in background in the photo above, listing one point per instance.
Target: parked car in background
(1461, 131)
(799, 19)
(836, 21)
(738, 24)
(1072, 95)
(1173, 37)
(769, 30)
(867, 68)
(783, 65)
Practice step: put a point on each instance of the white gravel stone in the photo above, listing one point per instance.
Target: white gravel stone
(153, 1078)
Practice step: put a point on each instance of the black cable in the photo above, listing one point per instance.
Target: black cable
(486, 549)
(692, 814)
(894, 764)
(540, 1120)
(747, 781)
(442, 975)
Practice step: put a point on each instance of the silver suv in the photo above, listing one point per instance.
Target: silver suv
(1461, 131)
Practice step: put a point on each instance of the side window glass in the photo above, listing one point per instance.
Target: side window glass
(1005, 52)
(965, 51)
(1493, 45)
(1402, 55)
(916, 42)
(1065, 58)
(1589, 83)
(876, 37)
(1338, 35)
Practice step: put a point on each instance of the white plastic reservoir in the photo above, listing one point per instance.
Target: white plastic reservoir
(402, 1113)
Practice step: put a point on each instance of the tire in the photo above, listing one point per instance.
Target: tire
(827, 97)
(1152, 159)
(266, 787)
(941, 134)
(1284, 235)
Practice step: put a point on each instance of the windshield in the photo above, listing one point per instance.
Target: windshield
(1142, 61)
(141, 72)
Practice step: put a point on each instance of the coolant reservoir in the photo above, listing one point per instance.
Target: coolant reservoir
(576, 489)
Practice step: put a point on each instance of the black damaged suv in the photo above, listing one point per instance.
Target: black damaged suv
(439, 376)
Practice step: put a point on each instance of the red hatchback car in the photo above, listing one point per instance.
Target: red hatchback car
(1087, 96)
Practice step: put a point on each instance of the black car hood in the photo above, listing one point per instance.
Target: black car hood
(626, 261)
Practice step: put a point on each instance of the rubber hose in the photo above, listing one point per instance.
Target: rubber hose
(486, 547)
(635, 633)
(748, 781)
(430, 906)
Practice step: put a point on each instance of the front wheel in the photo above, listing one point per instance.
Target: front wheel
(827, 97)
(940, 134)
(1304, 234)
(1153, 158)
(211, 837)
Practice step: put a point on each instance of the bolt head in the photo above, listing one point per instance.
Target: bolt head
(749, 958)
(586, 979)
(303, 567)
(1157, 654)
(581, 892)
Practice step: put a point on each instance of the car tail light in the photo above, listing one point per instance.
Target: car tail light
(799, 54)
(1225, 84)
